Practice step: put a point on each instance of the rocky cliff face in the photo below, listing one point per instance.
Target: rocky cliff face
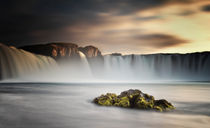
(55, 50)
(63, 50)
(90, 51)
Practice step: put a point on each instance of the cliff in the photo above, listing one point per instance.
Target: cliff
(62, 50)
(90, 51)
(55, 50)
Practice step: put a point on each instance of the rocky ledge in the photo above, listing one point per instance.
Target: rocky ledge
(134, 99)
(62, 50)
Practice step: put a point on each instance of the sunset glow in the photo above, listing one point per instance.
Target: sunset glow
(127, 27)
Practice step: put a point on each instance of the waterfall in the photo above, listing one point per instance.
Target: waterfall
(17, 63)
(117, 67)
(84, 63)
(192, 67)
(187, 67)
(73, 70)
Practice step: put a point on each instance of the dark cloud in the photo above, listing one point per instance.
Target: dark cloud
(206, 8)
(20, 19)
(160, 40)
(186, 13)
(148, 18)
(124, 31)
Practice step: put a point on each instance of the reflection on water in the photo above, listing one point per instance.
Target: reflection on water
(69, 106)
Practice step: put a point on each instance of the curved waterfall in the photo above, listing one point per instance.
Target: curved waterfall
(187, 67)
(192, 67)
(84, 64)
(17, 63)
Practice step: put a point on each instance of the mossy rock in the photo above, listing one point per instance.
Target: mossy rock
(143, 103)
(122, 102)
(164, 105)
(134, 99)
(106, 100)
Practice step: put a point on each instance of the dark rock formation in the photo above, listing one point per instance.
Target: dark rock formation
(55, 50)
(90, 51)
(116, 54)
(134, 99)
(61, 50)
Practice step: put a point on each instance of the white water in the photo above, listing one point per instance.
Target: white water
(18, 63)
(26, 66)
(158, 67)
(84, 64)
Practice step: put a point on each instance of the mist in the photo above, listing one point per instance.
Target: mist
(20, 65)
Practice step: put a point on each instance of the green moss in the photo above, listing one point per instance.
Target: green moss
(134, 99)
(142, 103)
(164, 104)
(111, 95)
(122, 102)
(157, 108)
(169, 107)
(105, 100)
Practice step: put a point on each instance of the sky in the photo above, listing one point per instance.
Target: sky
(114, 26)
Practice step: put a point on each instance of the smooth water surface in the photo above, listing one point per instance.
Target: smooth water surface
(36, 105)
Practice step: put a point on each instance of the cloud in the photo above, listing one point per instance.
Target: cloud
(33, 21)
(186, 13)
(22, 17)
(160, 40)
(148, 18)
(206, 8)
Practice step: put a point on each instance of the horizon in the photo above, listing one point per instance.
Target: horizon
(104, 54)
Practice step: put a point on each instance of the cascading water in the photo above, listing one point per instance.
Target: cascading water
(193, 67)
(73, 70)
(84, 64)
(17, 63)
(116, 67)
(131, 68)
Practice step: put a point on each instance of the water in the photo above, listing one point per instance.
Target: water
(191, 67)
(26, 66)
(56, 105)
(17, 63)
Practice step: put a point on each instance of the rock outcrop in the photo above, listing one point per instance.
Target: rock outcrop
(116, 54)
(55, 50)
(90, 51)
(134, 99)
(61, 50)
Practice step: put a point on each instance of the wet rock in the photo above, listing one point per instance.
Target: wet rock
(134, 99)
(90, 51)
(106, 100)
(57, 50)
(163, 104)
(122, 102)
(62, 51)
(144, 102)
